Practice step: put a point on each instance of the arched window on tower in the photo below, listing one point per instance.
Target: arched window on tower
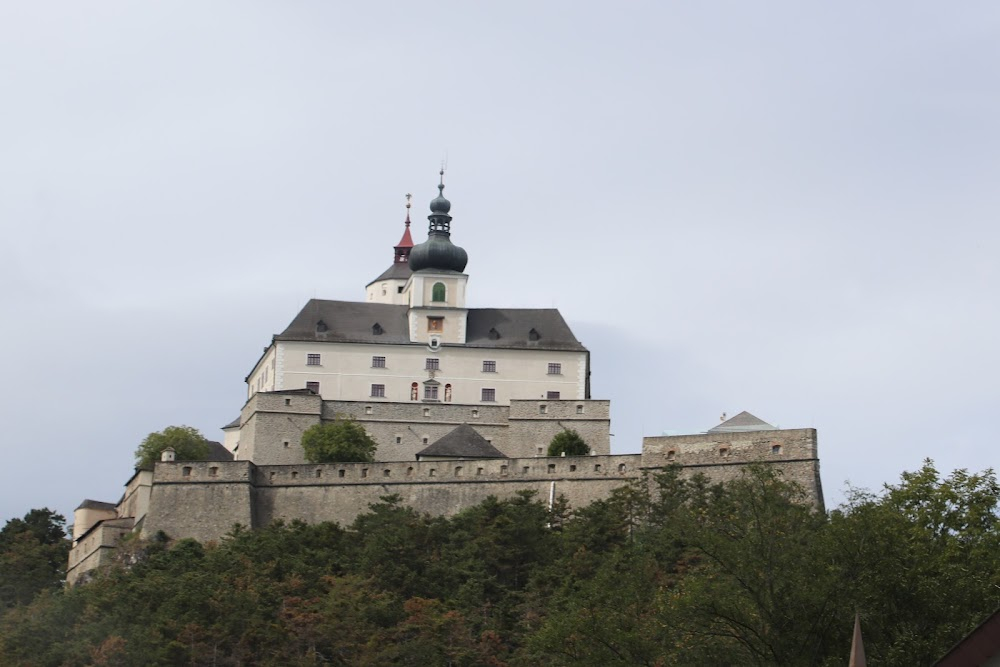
(438, 292)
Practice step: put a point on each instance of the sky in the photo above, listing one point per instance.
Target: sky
(782, 207)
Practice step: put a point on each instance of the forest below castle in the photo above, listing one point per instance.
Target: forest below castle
(678, 572)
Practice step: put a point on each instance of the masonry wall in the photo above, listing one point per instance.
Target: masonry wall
(95, 547)
(272, 425)
(200, 499)
(724, 456)
(339, 492)
(416, 425)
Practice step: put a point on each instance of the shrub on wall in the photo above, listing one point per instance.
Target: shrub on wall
(188, 443)
(340, 441)
(569, 442)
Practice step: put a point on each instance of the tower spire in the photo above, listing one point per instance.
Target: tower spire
(406, 243)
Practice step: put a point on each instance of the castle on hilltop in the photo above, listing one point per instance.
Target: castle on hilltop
(462, 403)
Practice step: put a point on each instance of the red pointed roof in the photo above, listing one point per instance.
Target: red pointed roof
(407, 240)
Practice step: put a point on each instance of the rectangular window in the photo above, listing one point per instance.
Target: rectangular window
(431, 392)
(312, 360)
(555, 369)
(552, 395)
(378, 390)
(489, 394)
(378, 362)
(489, 367)
(313, 387)
(432, 364)
(435, 324)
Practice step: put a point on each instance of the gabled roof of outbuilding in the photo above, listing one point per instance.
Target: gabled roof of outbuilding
(353, 321)
(463, 442)
(742, 422)
(217, 452)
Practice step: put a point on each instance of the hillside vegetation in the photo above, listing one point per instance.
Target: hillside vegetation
(691, 574)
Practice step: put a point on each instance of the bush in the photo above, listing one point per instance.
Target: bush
(340, 441)
(570, 443)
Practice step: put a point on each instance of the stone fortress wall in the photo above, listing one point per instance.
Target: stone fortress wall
(271, 425)
(205, 499)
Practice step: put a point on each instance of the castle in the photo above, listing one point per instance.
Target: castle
(462, 402)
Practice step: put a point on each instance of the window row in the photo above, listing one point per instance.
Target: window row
(432, 392)
(431, 364)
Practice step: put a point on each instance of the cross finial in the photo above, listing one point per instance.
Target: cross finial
(408, 198)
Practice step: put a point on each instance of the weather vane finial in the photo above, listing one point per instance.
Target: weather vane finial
(408, 198)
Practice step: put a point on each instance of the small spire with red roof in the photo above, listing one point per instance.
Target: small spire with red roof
(406, 243)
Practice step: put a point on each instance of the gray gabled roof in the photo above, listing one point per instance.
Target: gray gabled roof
(233, 424)
(463, 442)
(397, 271)
(354, 322)
(217, 452)
(742, 422)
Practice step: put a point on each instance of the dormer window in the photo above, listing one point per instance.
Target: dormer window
(321, 327)
(533, 335)
(377, 329)
(494, 334)
(438, 292)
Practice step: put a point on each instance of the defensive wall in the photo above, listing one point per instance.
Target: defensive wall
(205, 499)
(272, 423)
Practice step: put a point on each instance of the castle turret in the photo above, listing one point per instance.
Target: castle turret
(390, 287)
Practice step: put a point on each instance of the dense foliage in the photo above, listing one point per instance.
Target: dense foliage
(568, 442)
(33, 553)
(677, 572)
(188, 443)
(339, 441)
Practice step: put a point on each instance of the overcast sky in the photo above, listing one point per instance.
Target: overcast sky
(782, 207)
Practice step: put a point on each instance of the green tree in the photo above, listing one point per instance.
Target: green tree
(33, 553)
(188, 444)
(568, 442)
(341, 440)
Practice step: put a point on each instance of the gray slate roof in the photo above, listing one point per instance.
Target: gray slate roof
(233, 424)
(463, 442)
(352, 322)
(96, 505)
(216, 452)
(742, 422)
(396, 271)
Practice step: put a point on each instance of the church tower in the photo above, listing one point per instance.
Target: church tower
(390, 287)
(436, 290)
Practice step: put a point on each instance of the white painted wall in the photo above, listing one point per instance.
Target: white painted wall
(346, 373)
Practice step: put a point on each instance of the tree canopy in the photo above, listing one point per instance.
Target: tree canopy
(33, 553)
(568, 442)
(188, 443)
(339, 441)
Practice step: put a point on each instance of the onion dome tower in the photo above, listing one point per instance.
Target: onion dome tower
(436, 290)
(438, 253)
